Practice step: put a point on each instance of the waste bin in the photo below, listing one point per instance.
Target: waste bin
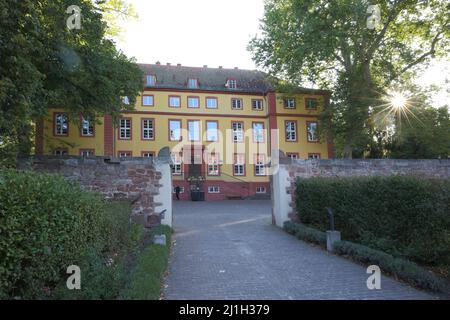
(197, 195)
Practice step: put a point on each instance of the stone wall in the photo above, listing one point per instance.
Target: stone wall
(283, 183)
(143, 181)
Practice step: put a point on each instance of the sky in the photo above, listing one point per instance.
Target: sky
(193, 32)
(215, 33)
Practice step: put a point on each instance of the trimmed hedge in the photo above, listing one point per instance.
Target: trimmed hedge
(406, 216)
(47, 224)
(403, 269)
(305, 233)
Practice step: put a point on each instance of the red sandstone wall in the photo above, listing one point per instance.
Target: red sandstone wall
(136, 180)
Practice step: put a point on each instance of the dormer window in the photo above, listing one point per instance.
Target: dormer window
(231, 84)
(192, 83)
(151, 80)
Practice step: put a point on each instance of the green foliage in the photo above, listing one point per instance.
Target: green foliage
(425, 136)
(305, 233)
(104, 274)
(403, 269)
(146, 278)
(45, 65)
(113, 12)
(48, 224)
(406, 216)
(356, 63)
(8, 151)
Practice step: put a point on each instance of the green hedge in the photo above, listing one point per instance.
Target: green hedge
(403, 269)
(305, 233)
(406, 216)
(105, 274)
(47, 224)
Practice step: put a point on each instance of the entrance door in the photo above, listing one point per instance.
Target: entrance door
(196, 173)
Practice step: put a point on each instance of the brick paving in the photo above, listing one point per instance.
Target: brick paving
(230, 250)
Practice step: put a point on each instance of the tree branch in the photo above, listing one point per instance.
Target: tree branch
(420, 59)
(345, 56)
(392, 16)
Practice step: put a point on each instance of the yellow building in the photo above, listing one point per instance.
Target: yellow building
(220, 125)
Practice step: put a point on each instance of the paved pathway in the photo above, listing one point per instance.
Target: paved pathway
(230, 250)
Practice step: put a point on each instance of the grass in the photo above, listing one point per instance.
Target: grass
(138, 268)
(150, 265)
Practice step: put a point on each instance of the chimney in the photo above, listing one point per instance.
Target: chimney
(236, 68)
(168, 63)
(158, 63)
(205, 66)
(220, 67)
(179, 65)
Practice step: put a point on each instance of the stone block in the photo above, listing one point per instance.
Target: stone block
(160, 239)
(332, 237)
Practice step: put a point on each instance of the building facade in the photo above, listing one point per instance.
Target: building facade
(219, 124)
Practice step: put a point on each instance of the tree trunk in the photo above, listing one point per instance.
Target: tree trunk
(348, 151)
(24, 141)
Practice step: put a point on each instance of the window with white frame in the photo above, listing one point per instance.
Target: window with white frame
(236, 104)
(238, 131)
(193, 102)
(211, 103)
(213, 189)
(289, 103)
(177, 164)
(312, 131)
(61, 124)
(213, 164)
(146, 154)
(259, 166)
(61, 152)
(192, 83)
(258, 132)
(151, 80)
(291, 130)
(175, 130)
(314, 156)
(257, 104)
(212, 133)
(239, 165)
(174, 101)
(124, 154)
(260, 189)
(125, 129)
(87, 152)
(148, 101)
(194, 130)
(311, 103)
(231, 83)
(87, 127)
(292, 156)
(148, 129)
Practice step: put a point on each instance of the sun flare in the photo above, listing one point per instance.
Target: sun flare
(398, 100)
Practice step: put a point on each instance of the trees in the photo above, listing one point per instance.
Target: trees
(44, 64)
(333, 44)
(428, 136)
(114, 10)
